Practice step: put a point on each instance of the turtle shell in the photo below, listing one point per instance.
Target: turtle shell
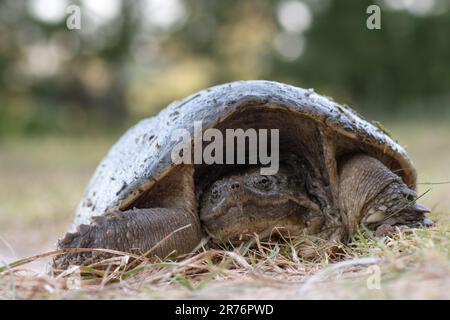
(142, 156)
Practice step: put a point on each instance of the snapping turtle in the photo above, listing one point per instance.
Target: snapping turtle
(336, 173)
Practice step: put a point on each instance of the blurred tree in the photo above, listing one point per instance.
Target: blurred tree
(132, 58)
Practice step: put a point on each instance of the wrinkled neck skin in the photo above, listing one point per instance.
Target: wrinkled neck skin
(371, 195)
(238, 206)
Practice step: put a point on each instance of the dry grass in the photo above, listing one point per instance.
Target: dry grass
(42, 180)
(411, 264)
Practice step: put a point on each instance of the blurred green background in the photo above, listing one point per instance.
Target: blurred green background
(131, 58)
(67, 95)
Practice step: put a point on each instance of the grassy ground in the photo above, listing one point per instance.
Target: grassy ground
(41, 181)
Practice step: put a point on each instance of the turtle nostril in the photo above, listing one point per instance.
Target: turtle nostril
(235, 185)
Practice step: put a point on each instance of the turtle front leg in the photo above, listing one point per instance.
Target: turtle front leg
(372, 195)
(163, 230)
(165, 219)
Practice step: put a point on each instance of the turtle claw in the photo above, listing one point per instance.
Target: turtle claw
(99, 220)
(427, 222)
(80, 239)
(83, 229)
(68, 238)
(420, 208)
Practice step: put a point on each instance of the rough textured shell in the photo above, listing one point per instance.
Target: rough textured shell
(142, 154)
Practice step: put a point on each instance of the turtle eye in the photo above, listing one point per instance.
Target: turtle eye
(263, 182)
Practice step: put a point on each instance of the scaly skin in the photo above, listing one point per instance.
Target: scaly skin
(248, 203)
(372, 195)
(134, 231)
(239, 205)
(172, 206)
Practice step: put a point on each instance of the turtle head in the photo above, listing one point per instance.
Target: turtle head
(237, 206)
